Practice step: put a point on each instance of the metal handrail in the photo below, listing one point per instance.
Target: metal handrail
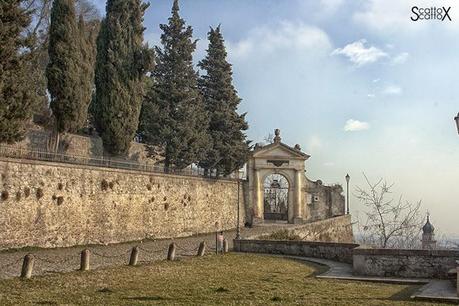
(12, 152)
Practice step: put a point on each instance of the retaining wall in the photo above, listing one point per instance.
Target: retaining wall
(404, 263)
(328, 250)
(44, 204)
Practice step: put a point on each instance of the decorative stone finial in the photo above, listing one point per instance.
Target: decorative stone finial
(277, 137)
(298, 147)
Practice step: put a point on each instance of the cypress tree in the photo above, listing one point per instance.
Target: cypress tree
(173, 116)
(64, 70)
(121, 65)
(229, 147)
(87, 35)
(15, 95)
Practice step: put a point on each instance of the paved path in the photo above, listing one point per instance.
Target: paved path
(68, 259)
(433, 289)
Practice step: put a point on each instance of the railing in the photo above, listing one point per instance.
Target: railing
(12, 152)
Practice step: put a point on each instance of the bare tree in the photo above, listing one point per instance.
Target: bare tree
(269, 139)
(389, 223)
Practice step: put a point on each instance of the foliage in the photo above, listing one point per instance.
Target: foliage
(64, 71)
(121, 65)
(40, 11)
(389, 223)
(87, 34)
(173, 115)
(228, 149)
(283, 234)
(15, 92)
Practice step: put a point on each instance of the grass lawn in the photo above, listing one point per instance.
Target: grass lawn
(232, 279)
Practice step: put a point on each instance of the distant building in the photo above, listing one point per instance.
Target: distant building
(428, 236)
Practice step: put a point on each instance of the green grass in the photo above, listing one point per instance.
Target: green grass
(212, 280)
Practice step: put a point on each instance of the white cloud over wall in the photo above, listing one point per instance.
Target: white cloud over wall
(356, 125)
(392, 90)
(287, 35)
(400, 58)
(393, 16)
(359, 54)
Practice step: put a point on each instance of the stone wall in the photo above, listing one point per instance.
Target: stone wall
(337, 229)
(323, 201)
(327, 250)
(404, 263)
(58, 205)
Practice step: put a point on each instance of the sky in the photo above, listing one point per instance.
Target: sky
(358, 84)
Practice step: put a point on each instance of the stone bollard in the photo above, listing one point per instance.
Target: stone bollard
(202, 249)
(134, 256)
(27, 266)
(171, 252)
(225, 246)
(84, 265)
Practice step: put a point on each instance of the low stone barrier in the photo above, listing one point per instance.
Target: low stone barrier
(404, 263)
(327, 250)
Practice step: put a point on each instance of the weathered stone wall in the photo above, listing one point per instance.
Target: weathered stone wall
(404, 263)
(327, 250)
(337, 229)
(323, 201)
(57, 205)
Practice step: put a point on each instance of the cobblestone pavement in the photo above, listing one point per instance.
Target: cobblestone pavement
(68, 259)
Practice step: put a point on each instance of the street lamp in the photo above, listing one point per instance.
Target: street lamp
(347, 192)
(457, 122)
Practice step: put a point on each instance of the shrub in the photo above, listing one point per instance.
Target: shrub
(111, 185)
(283, 234)
(60, 201)
(60, 186)
(18, 196)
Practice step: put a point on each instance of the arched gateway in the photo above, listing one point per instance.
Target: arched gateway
(276, 182)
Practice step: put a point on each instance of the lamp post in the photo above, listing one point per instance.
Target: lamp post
(347, 192)
(457, 122)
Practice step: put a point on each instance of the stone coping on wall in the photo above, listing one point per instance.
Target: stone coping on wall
(364, 250)
(299, 242)
(114, 170)
(341, 252)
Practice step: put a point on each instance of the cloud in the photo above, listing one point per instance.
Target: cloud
(400, 59)
(392, 90)
(359, 54)
(330, 6)
(356, 125)
(283, 36)
(314, 143)
(393, 16)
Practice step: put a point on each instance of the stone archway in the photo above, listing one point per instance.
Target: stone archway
(279, 159)
(276, 197)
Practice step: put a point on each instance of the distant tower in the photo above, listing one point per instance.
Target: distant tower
(428, 236)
